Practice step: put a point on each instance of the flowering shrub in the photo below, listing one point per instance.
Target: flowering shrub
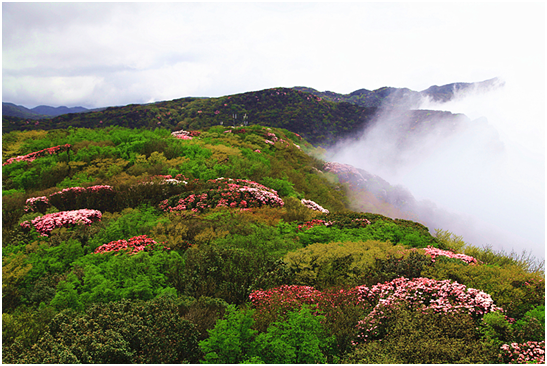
(285, 298)
(434, 252)
(316, 222)
(423, 294)
(314, 206)
(37, 204)
(134, 245)
(167, 179)
(529, 352)
(220, 192)
(45, 224)
(38, 154)
(185, 135)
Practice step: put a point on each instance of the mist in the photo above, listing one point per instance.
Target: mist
(482, 178)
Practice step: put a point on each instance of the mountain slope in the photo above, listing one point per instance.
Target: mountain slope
(320, 121)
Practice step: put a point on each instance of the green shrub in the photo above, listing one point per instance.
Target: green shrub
(231, 340)
(414, 337)
(301, 338)
(118, 332)
(338, 263)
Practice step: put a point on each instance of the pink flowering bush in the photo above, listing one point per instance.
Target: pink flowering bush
(220, 192)
(315, 222)
(290, 296)
(45, 224)
(529, 352)
(37, 204)
(435, 252)
(421, 294)
(38, 154)
(134, 245)
(319, 222)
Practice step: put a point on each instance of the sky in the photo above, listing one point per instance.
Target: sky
(104, 54)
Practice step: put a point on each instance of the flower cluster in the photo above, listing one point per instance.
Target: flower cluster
(422, 294)
(185, 135)
(78, 190)
(314, 206)
(271, 138)
(134, 245)
(37, 204)
(289, 296)
(38, 154)
(45, 224)
(434, 252)
(233, 193)
(315, 222)
(529, 352)
(167, 179)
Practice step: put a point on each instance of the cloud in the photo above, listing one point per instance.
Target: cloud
(485, 180)
(252, 46)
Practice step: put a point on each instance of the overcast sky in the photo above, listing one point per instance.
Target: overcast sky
(102, 54)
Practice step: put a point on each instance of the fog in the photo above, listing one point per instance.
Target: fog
(484, 180)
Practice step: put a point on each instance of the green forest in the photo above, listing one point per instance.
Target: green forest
(186, 240)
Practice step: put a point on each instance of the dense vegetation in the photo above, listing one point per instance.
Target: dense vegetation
(235, 245)
(319, 121)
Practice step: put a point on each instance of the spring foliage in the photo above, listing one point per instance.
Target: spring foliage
(233, 245)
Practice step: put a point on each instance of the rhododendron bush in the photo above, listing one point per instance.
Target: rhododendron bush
(435, 252)
(37, 204)
(220, 192)
(314, 206)
(421, 294)
(38, 154)
(45, 224)
(529, 352)
(134, 245)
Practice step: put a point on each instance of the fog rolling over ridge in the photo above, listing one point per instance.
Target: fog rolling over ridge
(481, 177)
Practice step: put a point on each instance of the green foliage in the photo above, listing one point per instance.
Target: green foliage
(128, 223)
(283, 187)
(498, 330)
(337, 263)
(25, 325)
(118, 332)
(230, 274)
(231, 340)
(414, 337)
(109, 277)
(301, 338)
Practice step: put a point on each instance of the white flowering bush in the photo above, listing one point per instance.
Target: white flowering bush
(314, 206)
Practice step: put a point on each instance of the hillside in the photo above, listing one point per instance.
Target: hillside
(319, 121)
(231, 244)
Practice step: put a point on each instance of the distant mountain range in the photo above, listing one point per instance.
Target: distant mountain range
(41, 111)
(386, 96)
(403, 97)
(322, 118)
